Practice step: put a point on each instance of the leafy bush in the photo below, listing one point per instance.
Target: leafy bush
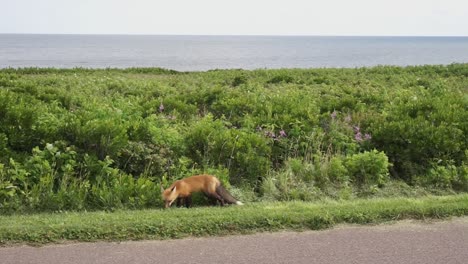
(238, 80)
(281, 78)
(338, 172)
(75, 139)
(368, 168)
(421, 126)
(445, 177)
(244, 154)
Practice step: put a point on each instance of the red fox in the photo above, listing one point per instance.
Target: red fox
(182, 191)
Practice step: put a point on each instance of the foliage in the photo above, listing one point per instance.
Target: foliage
(76, 139)
(368, 168)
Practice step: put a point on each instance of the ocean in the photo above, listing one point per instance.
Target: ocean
(199, 53)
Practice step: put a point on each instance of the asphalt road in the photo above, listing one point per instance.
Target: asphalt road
(404, 242)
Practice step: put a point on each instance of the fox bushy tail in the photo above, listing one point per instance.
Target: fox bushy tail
(227, 197)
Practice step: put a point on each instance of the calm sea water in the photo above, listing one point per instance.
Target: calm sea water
(193, 53)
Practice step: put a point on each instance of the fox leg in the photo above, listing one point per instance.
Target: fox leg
(213, 201)
(180, 201)
(188, 201)
(219, 198)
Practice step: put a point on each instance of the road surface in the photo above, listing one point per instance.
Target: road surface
(404, 242)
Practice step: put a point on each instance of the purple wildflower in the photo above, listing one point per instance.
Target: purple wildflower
(356, 129)
(282, 133)
(161, 107)
(358, 137)
(367, 136)
(270, 134)
(333, 115)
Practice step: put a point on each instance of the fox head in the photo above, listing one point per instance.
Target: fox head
(169, 196)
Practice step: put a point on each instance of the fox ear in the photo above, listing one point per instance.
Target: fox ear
(174, 189)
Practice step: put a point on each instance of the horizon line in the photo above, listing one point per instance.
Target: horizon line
(233, 35)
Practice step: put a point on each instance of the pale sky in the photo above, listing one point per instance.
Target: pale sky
(237, 17)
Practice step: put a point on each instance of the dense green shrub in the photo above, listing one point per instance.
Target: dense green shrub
(73, 139)
(338, 173)
(244, 154)
(445, 177)
(238, 80)
(281, 78)
(423, 128)
(368, 168)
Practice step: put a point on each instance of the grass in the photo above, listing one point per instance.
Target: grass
(215, 221)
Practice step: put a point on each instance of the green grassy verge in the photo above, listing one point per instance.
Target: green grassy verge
(209, 221)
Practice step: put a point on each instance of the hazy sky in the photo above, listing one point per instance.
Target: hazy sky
(238, 17)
